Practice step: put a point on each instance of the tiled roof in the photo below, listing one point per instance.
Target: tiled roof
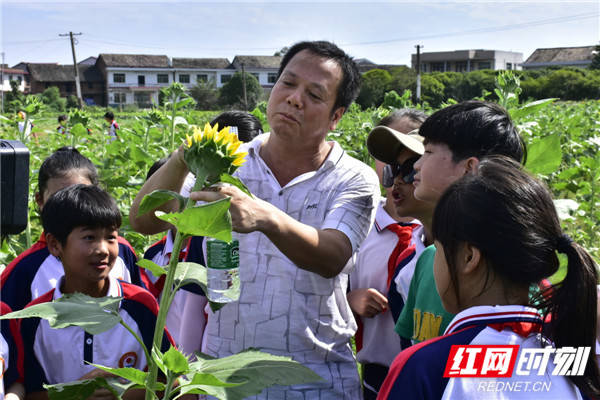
(207, 63)
(135, 60)
(561, 55)
(257, 61)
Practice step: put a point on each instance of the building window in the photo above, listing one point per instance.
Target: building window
(202, 78)
(119, 98)
(423, 67)
(437, 66)
(272, 77)
(184, 78)
(485, 65)
(461, 66)
(90, 85)
(141, 80)
(162, 78)
(68, 87)
(119, 78)
(255, 74)
(509, 66)
(225, 78)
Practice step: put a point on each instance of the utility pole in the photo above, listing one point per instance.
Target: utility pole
(2, 85)
(418, 46)
(77, 85)
(244, 88)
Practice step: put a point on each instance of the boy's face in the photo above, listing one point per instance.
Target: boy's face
(436, 171)
(87, 256)
(405, 203)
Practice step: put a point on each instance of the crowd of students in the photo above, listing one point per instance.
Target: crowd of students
(455, 255)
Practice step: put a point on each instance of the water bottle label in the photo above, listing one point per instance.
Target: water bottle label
(222, 255)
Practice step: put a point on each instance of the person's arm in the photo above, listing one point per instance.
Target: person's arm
(170, 177)
(16, 391)
(322, 251)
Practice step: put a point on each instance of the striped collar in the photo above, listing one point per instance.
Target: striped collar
(382, 218)
(521, 319)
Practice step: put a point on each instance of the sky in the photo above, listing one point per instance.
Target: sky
(384, 32)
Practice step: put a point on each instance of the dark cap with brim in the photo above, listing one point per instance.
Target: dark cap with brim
(385, 143)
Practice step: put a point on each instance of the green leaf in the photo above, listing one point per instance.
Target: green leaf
(175, 361)
(159, 197)
(131, 374)
(78, 130)
(94, 315)
(257, 369)
(226, 178)
(206, 384)
(138, 154)
(152, 267)
(530, 108)
(545, 155)
(211, 219)
(83, 389)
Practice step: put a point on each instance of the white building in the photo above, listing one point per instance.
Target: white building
(14, 74)
(468, 60)
(191, 71)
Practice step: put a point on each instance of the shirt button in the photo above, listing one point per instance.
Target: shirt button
(88, 341)
(281, 192)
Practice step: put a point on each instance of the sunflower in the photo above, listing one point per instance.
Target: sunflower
(210, 152)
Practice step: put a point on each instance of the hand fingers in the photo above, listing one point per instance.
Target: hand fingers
(207, 195)
(378, 298)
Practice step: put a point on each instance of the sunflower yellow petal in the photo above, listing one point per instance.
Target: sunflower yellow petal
(233, 146)
(240, 159)
(188, 140)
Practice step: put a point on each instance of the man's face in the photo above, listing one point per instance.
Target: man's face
(436, 170)
(301, 102)
(405, 203)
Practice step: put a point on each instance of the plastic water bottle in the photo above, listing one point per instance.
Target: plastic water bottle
(223, 260)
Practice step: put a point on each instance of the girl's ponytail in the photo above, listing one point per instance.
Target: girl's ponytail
(573, 306)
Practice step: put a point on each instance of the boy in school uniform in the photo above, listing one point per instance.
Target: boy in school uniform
(456, 138)
(81, 225)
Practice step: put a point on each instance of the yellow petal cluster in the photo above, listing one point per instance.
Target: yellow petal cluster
(226, 140)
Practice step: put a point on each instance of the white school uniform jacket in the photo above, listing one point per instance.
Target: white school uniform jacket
(417, 372)
(62, 355)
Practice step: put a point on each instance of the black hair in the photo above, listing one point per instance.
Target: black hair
(475, 129)
(109, 114)
(62, 117)
(248, 126)
(349, 86)
(60, 163)
(79, 205)
(417, 117)
(156, 166)
(510, 217)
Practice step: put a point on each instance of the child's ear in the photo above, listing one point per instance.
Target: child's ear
(54, 245)
(471, 258)
(471, 165)
(39, 199)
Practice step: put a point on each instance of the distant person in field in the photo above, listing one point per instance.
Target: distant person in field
(311, 208)
(375, 263)
(62, 124)
(21, 117)
(113, 126)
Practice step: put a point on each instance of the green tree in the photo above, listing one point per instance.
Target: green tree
(403, 78)
(14, 98)
(51, 98)
(232, 93)
(206, 95)
(432, 90)
(374, 85)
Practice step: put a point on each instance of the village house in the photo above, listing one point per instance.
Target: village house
(191, 71)
(560, 57)
(468, 60)
(264, 68)
(21, 76)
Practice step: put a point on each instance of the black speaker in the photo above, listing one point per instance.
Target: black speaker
(14, 186)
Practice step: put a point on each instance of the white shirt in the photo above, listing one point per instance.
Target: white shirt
(283, 309)
(380, 343)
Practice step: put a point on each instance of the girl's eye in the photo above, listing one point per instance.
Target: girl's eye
(314, 96)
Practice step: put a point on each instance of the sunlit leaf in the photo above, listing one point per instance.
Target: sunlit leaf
(83, 389)
(211, 219)
(207, 384)
(157, 198)
(94, 315)
(544, 155)
(530, 108)
(175, 361)
(257, 369)
(152, 267)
